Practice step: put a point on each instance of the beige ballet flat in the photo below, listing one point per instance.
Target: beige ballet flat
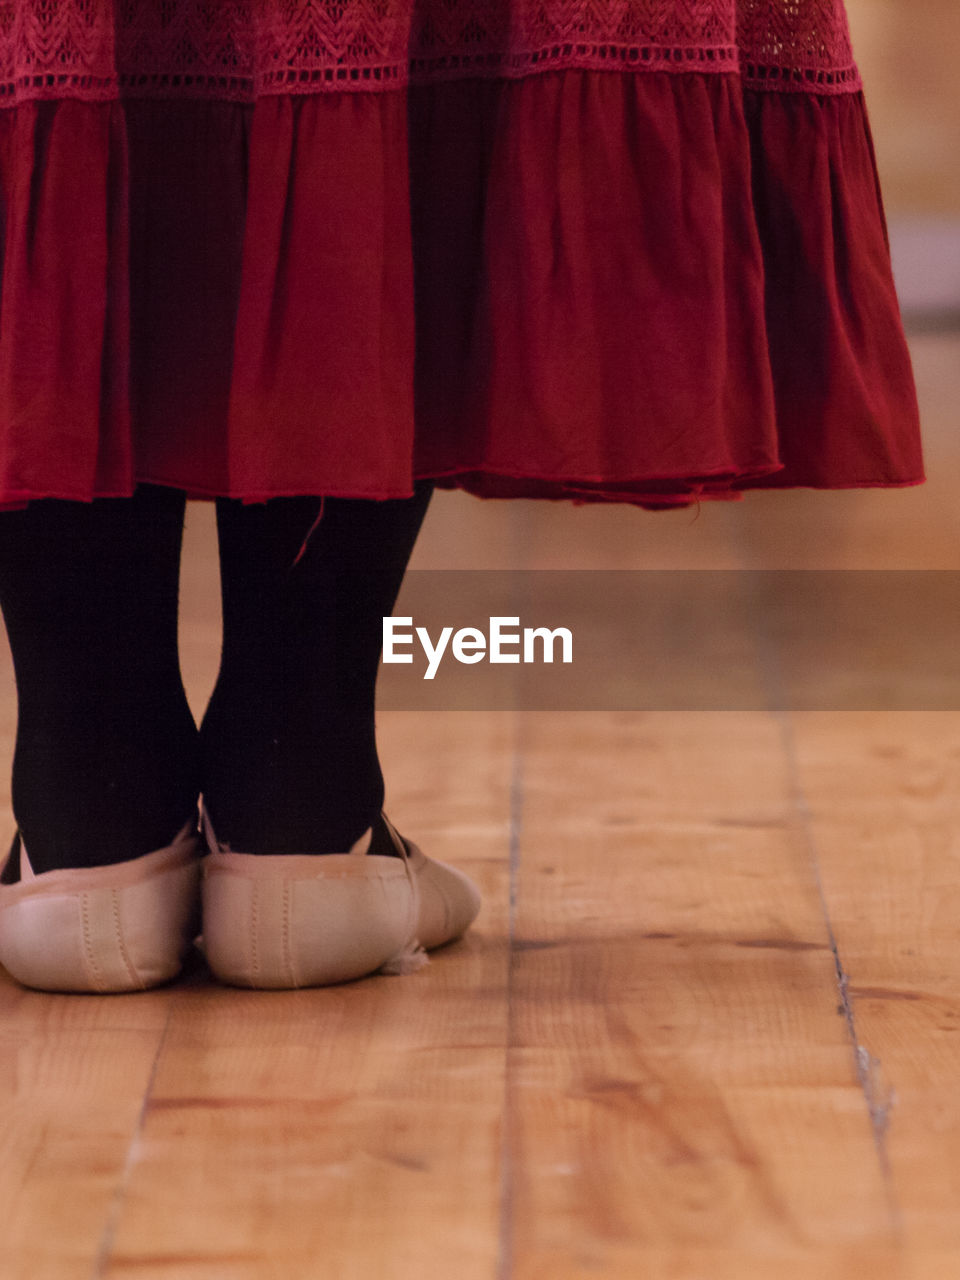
(124, 927)
(302, 920)
(449, 900)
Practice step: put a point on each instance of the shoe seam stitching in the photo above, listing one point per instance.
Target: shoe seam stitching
(118, 930)
(254, 931)
(96, 976)
(285, 933)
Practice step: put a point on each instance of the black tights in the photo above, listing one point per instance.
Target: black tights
(108, 762)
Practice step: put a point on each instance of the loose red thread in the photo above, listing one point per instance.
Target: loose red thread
(303, 548)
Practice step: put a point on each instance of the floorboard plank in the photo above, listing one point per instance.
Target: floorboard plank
(884, 798)
(680, 1073)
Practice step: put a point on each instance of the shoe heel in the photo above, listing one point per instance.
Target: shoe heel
(123, 927)
(281, 922)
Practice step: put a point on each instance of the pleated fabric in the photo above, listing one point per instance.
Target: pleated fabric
(650, 286)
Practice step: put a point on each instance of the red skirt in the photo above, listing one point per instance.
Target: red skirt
(589, 285)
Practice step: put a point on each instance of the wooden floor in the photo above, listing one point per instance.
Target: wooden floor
(707, 1026)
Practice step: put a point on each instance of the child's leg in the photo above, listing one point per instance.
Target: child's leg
(106, 761)
(289, 749)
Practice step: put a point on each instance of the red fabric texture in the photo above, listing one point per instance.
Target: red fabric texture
(644, 286)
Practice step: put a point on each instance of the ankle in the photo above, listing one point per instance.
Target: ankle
(109, 798)
(282, 786)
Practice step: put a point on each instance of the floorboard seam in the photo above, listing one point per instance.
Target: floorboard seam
(108, 1235)
(878, 1102)
(865, 1064)
(506, 1240)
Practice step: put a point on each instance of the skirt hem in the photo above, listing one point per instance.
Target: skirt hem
(566, 490)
